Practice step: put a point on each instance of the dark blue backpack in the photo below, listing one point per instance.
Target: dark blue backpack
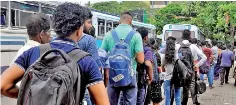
(120, 61)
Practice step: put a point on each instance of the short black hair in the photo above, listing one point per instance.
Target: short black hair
(67, 18)
(228, 46)
(143, 31)
(194, 41)
(203, 43)
(88, 13)
(126, 13)
(151, 41)
(223, 47)
(214, 43)
(186, 34)
(37, 23)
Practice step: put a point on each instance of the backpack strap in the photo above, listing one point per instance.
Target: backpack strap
(115, 36)
(43, 48)
(129, 36)
(77, 54)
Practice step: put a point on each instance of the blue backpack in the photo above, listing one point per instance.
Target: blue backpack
(120, 61)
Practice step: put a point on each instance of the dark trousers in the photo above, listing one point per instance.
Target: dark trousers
(190, 85)
(224, 74)
(235, 82)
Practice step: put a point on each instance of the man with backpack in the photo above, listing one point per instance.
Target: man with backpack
(125, 49)
(50, 76)
(186, 54)
(205, 68)
(87, 43)
(35, 34)
(145, 69)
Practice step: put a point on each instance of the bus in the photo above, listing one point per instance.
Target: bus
(14, 16)
(104, 22)
(175, 30)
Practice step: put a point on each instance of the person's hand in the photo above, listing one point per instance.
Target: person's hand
(195, 68)
(149, 81)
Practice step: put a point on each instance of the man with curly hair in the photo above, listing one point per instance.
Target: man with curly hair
(68, 20)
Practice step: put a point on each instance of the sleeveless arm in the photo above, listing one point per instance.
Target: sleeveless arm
(9, 78)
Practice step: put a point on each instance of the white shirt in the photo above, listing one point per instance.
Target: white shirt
(27, 46)
(196, 52)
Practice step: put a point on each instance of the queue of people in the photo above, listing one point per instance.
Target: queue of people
(128, 69)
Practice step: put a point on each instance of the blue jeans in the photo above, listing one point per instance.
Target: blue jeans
(87, 97)
(167, 92)
(210, 75)
(129, 93)
(141, 95)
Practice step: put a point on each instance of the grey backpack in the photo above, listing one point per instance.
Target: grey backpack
(54, 79)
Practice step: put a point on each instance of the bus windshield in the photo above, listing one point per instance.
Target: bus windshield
(177, 34)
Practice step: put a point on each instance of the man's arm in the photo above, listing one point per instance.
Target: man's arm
(106, 75)
(199, 53)
(93, 80)
(148, 63)
(9, 78)
(140, 57)
(138, 48)
(99, 94)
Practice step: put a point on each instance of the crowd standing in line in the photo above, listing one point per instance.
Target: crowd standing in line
(134, 67)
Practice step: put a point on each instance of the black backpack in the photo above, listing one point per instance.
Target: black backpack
(185, 55)
(141, 74)
(183, 67)
(201, 87)
(54, 79)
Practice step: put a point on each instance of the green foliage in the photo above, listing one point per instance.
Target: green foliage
(119, 7)
(209, 16)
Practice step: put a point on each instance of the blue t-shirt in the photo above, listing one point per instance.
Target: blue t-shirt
(89, 68)
(226, 58)
(88, 44)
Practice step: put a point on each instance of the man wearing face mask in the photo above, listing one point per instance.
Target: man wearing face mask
(87, 43)
(38, 29)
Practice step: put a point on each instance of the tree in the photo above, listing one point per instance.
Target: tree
(166, 15)
(119, 7)
(110, 7)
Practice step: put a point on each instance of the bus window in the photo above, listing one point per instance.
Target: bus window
(177, 34)
(109, 26)
(101, 28)
(115, 24)
(3, 17)
(47, 10)
(20, 13)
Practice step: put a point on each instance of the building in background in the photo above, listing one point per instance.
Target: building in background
(158, 4)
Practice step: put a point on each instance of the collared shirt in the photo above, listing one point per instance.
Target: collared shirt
(122, 30)
(196, 52)
(89, 68)
(88, 44)
(27, 46)
(226, 58)
(148, 55)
